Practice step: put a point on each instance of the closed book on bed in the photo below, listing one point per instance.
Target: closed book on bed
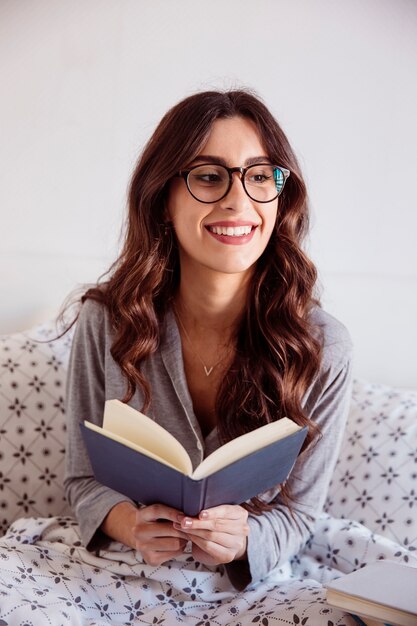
(384, 590)
(135, 456)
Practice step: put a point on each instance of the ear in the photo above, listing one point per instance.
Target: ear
(166, 215)
(166, 221)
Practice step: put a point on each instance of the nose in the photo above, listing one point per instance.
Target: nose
(237, 199)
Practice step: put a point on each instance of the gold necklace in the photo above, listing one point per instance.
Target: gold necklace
(207, 370)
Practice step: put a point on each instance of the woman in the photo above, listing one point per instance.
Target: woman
(208, 323)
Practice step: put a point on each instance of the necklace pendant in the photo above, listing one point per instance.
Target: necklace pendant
(208, 370)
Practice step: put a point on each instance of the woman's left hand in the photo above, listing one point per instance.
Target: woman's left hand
(219, 535)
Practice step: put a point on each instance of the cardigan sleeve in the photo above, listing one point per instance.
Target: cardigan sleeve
(277, 535)
(85, 396)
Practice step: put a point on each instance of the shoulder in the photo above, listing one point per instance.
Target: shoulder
(91, 311)
(328, 397)
(93, 322)
(335, 338)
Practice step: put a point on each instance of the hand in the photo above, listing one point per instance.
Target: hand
(155, 535)
(219, 535)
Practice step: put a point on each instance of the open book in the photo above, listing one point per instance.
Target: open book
(136, 456)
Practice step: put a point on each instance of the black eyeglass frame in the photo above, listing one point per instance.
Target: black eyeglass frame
(230, 170)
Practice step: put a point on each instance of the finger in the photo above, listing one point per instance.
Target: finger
(154, 512)
(228, 540)
(229, 511)
(219, 552)
(222, 539)
(162, 544)
(234, 527)
(158, 529)
(233, 513)
(157, 558)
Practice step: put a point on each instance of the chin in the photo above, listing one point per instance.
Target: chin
(232, 268)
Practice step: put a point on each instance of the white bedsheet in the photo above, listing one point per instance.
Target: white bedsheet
(48, 579)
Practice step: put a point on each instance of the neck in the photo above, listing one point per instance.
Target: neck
(214, 302)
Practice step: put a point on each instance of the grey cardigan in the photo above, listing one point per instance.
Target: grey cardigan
(93, 377)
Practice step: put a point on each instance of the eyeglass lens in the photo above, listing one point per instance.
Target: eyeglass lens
(262, 182)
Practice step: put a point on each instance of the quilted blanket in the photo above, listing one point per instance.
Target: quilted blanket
(48, 579)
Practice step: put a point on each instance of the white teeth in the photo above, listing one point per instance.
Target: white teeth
(231, 231)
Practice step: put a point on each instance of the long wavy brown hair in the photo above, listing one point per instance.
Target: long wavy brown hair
(278, 351)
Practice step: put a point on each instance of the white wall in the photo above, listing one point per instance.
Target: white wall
(84, 82)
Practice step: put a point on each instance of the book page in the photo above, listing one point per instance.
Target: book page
(146, 435)
(245, 445)
(129, 444)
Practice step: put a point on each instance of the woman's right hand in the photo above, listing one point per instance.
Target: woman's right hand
(154, 535)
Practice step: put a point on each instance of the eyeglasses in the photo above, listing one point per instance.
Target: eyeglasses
(211, 182)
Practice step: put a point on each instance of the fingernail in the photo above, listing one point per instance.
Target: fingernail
(203, 515)
(187, 522)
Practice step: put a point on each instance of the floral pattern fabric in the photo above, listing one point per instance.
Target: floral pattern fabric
(375, 480)
(32, 424)
(48, 579)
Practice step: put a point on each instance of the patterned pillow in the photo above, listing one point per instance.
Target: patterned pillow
(32, 426)
(375, 480)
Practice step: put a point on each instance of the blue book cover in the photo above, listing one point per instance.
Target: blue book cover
(147, 480)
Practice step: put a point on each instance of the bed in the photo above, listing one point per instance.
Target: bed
(47, 577)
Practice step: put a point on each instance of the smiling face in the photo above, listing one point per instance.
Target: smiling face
(230, 235)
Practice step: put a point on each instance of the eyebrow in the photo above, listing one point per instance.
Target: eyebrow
(208, 158)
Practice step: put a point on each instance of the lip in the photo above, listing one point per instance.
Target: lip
(232, 224)
(232, 241)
